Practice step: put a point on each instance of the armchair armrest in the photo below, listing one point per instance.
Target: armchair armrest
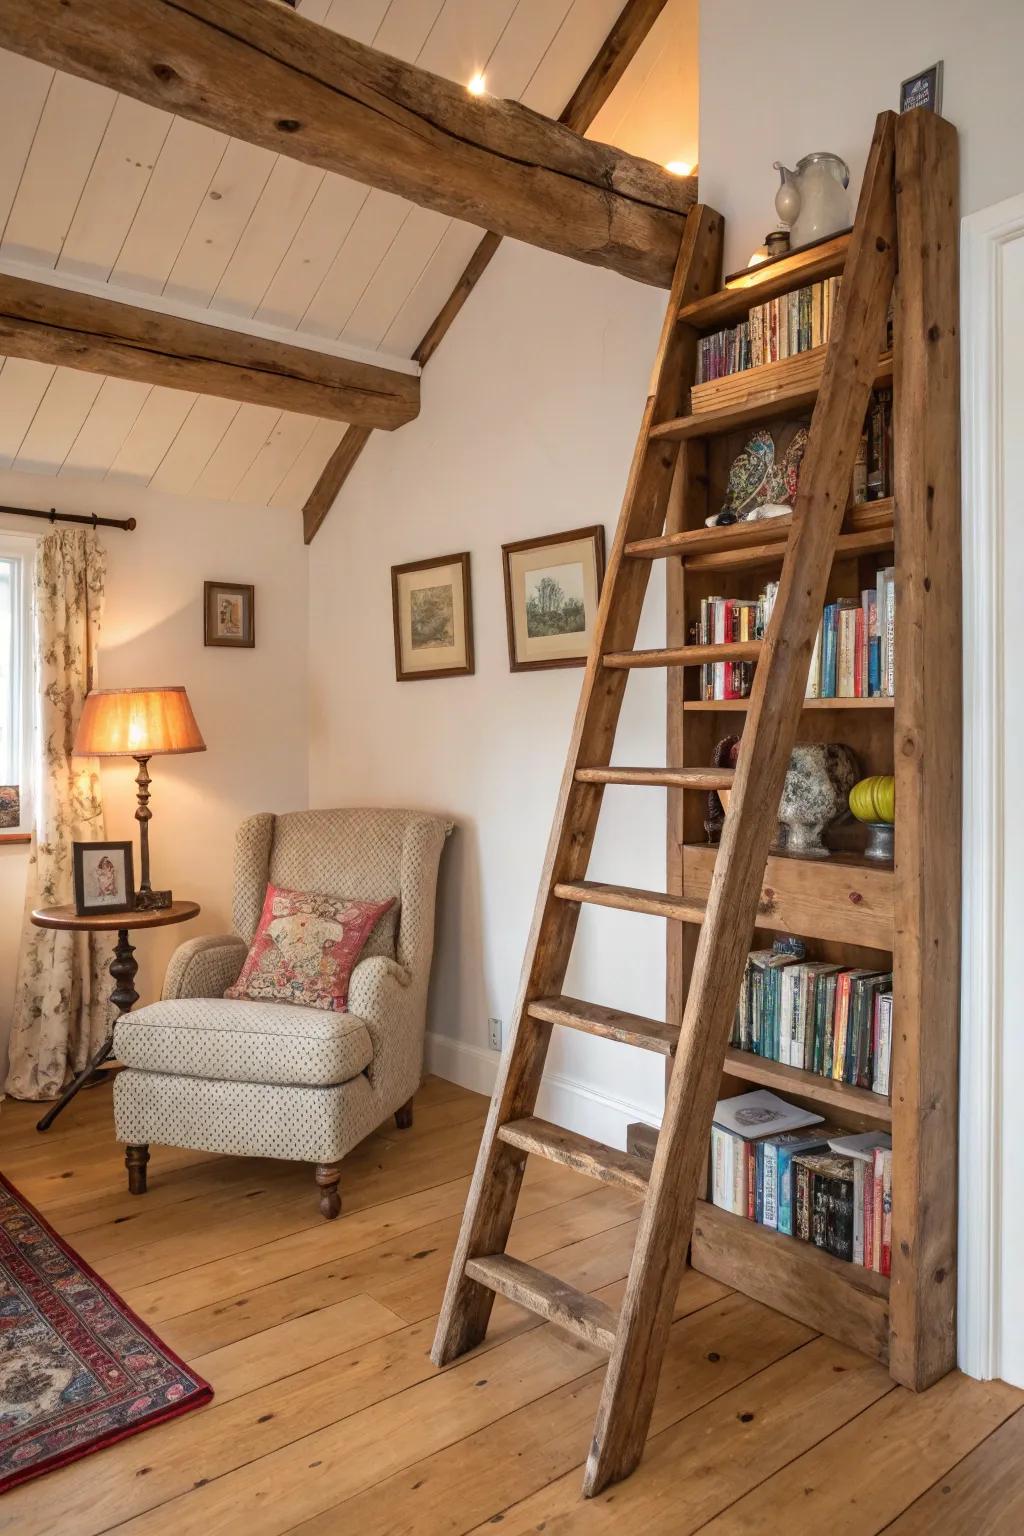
(376, 986)
(205, 967)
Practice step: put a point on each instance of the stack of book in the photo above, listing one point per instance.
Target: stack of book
(795, 322)
(784, 1168)
(819, 1017)
(853, 652)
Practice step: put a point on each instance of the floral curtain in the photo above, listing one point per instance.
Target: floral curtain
(60, 1005)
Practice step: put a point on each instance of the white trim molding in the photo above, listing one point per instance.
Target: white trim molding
(564, 1100)
(984, 1022)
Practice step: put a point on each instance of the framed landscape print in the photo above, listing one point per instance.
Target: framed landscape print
(433, 616)
(552, 586)
(104, 880)
(229, 613)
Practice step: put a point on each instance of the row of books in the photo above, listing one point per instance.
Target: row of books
(873, 468)
(795, 322)
(854, 648)
(823, 1018)
(784, 1168)
(853, 653)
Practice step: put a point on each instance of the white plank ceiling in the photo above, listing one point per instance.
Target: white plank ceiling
(105, 190)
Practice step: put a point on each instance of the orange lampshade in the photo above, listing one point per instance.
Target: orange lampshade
(136, 722)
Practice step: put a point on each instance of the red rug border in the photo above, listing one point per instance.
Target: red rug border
(198, 1399)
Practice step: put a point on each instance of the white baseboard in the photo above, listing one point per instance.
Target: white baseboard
(576, 1105)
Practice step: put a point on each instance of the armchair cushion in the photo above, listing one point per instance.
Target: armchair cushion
(244, 1042)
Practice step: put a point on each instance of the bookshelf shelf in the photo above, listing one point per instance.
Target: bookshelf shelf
(845, 907)
(843, 1300)
(776, 389)
(768, 281)
(844, 898)
(714, 706)
(839, 1098)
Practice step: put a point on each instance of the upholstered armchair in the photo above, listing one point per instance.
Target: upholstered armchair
(272, 1079)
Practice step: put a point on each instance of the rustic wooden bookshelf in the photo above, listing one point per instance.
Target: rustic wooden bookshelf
(848, 908)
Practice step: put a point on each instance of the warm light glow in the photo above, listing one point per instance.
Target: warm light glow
(136, 722)
(678, 167)
(478, 85)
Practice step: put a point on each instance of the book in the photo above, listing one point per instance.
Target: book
(761, 1113)
(779, 1152)
(882, 1053)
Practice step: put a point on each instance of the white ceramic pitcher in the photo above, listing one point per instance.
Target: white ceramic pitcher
(813, 200)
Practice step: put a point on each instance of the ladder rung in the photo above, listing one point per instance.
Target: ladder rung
(626, 898)
(611, 1023)
(585, 1316)
(590, 1157)
(686, 655)
(670, 778)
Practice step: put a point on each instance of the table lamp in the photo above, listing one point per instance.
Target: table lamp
(139, 722)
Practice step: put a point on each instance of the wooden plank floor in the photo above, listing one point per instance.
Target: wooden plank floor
(329, 1418)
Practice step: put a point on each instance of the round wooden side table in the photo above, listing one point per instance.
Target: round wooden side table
(124, 968)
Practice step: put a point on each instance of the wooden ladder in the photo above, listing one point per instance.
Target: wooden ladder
(636, 1338)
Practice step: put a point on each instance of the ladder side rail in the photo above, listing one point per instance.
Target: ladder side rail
(499, 1168)
(780, 680)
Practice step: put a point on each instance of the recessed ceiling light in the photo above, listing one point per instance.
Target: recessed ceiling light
(478, 85)
(678, 167)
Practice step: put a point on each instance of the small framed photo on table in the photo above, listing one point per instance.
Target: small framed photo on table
(433, 617)
(229, 616)
(104, 878)
(552, 588)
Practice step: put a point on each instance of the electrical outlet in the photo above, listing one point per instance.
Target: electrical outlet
(494, 1033)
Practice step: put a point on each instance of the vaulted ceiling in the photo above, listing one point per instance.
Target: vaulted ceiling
(110, 196)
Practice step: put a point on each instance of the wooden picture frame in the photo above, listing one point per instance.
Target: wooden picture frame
(104, 878)
(229, 614)
(540, 559)
(433, 631)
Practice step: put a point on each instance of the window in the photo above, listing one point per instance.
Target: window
(15, 684)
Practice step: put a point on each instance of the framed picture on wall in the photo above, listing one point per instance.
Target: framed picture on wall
(552, 587)
(104, 878)
(229, 613)
(433, 618)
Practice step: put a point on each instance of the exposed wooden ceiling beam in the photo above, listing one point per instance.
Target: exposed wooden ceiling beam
(55, 325)
(606, 70)
(253, 69)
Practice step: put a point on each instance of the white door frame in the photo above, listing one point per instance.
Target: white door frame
(985, 238)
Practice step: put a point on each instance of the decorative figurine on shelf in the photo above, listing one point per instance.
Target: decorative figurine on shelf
(815, 794)
(812, 200)
(763, 477)
(873, 801)
(724, 756)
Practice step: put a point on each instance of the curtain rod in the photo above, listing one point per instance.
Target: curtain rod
(53, 516)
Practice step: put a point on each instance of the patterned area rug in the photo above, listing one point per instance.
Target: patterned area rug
(78, 1369)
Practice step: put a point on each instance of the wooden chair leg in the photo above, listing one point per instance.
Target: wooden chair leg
(327, 1176)
(403, 1116)
(135, 1160)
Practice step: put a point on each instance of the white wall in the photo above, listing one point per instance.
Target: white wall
(821, 73)
(252, 706)
(530, 412)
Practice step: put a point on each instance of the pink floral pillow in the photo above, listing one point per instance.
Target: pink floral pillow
(305, 948)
